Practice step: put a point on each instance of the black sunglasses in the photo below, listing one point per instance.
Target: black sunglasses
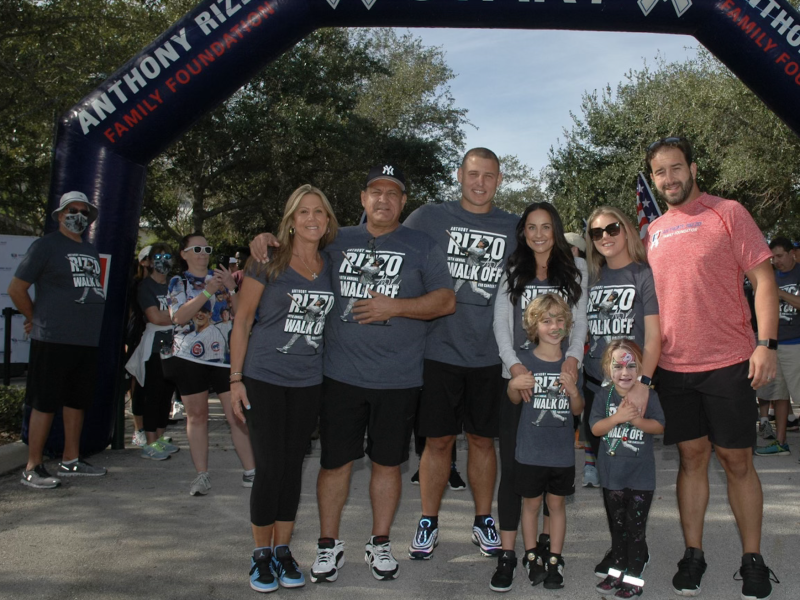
(667, 140)
(75, 211)
(160, 256)
(612, 229)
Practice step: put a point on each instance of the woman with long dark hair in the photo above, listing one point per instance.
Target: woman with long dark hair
(276, 375)
(198, 360)
(541, 263)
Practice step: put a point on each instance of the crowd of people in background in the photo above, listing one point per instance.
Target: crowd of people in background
(462, 320)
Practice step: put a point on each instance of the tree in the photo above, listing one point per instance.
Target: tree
(742, 150)
(520, 186)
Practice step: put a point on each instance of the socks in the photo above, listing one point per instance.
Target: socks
(249, 472)
(434, 520)
(590, 458)
(69, 462)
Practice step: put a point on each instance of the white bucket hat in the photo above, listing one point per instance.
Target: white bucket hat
(71, 197)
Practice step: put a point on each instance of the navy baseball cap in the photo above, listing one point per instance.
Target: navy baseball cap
(389, 172)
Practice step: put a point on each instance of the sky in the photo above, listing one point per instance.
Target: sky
(520, 86)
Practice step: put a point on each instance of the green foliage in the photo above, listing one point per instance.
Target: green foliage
(520, 186)
(12, 406)
(742, 150)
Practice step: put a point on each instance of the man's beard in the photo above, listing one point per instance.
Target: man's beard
(686, 189)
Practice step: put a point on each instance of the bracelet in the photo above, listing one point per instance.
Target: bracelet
(206, 293)
(237, 373)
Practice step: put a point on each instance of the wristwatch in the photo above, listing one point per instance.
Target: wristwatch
(770, 343)
(646, 380)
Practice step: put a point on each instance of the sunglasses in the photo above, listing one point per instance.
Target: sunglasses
(612, 229)
(667, 140)
(199, 249)
(164, 256)
(75, 211)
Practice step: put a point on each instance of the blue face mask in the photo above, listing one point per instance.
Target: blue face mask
(76, 223)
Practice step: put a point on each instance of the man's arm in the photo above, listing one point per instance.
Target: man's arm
(18, 292)
(437, 303)
(763, 362)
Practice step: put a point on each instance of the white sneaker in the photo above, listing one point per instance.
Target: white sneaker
(330, 559)
(590, 476)
(139, 439)
(765, 430)
(178, 412)
(201, 485)
(379, 558)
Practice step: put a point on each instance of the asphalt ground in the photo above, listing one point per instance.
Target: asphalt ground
(137, 533)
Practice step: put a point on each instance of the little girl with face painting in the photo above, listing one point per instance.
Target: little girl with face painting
(626, 465)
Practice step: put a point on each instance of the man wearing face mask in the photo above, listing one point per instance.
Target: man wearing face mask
(64, 324)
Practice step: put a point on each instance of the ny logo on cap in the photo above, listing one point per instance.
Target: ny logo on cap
(387, 170)
(681, 6)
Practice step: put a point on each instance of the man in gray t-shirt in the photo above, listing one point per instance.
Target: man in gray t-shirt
(64, 324)
(463, 383)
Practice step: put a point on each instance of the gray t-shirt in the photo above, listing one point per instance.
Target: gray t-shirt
(618, 303)
(545, 436)
(401, 264)
(788, 321)
(152, 293)
(477, 246)
(633, 464)
(69, 294)
(285, 346)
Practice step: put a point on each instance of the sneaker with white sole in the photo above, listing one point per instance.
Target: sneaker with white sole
(590, 476)
(286, 568)
(378, 555)
(756, 578)
(425, 540)
(201, 485)
(455, 482)
(775, 448)
(248, 479)
(39, 478)
(79, 468)
(503, 577)
(178, 412)
(139, 438)
(330, 558)
(154, 452)
(765, 430)
(485, 537)
(262, 579)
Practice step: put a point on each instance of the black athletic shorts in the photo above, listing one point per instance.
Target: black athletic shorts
(531, 481)
(719, 404)
(60, 375)
(456, 397)
(193, 377)
(386, 416)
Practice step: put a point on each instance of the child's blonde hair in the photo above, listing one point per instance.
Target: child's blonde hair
(536, 310)
(627, 346)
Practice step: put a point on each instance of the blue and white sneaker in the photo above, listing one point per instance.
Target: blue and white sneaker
(485, 537)
(261, 577)
(425, 540)
(330, 558)
(286, 569)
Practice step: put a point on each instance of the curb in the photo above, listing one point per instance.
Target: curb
(13, 456)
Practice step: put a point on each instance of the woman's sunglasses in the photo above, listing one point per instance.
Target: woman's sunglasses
(199, 249)
(612, 229)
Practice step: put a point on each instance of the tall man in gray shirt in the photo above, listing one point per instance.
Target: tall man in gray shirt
(463, 382)
(64, 324)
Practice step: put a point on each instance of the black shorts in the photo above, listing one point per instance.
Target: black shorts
(719, 404)
(193, 377)
(456, 397)
(387, 417)
(60, 375)
(531, 481)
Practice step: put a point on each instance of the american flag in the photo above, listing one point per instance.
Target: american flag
(647, 209)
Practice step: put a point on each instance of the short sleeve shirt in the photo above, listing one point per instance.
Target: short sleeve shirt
(286, 343)
(477, 247)
(788, 321)
(633, 464)
(618, 303)
(401, 264)
(699, 254)
(154, 294)
(545, 436)
(69, 294)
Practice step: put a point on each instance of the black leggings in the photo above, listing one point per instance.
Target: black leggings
(509, 503)
(627, 511)
(281, 420)
(157, 395)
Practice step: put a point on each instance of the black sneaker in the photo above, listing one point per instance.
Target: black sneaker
(690, 572)
(39, 478)
(503, 577)
(555, 573)
(534, 565)
(755, 578)
(415, 478)
(601, 568)
(455, 482)
(543, 546)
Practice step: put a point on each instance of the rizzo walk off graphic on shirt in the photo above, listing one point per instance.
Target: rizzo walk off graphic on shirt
(610, 315)
(476, 258)
(550, 404)
(788, 312)
(306, 319)
(365, 269)
(85, 271)
(624, 439)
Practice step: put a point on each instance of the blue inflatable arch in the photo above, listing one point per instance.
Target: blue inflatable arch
(105, 142)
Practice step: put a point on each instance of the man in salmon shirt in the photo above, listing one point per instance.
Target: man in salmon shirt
(700, 250)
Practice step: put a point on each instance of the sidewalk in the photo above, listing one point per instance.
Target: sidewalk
(138, 534)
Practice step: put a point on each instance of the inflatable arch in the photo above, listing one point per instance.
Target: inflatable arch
(104, 143)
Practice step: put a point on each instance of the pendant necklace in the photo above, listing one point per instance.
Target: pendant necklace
(314, 275)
